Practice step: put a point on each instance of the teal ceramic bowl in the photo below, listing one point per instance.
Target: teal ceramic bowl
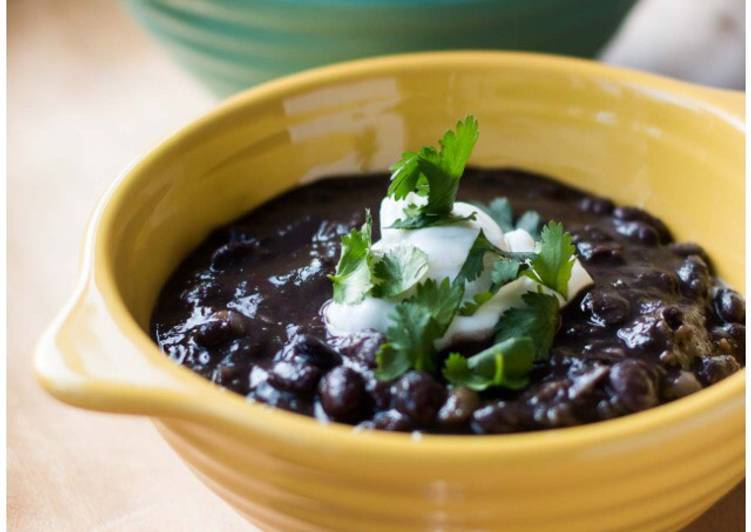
(233, 44)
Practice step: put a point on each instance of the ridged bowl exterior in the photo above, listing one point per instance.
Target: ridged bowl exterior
(234, 44)
(672, 148)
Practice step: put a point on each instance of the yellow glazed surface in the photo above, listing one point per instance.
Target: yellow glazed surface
(672, 148)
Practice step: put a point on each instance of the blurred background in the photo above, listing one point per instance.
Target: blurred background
(93, 84)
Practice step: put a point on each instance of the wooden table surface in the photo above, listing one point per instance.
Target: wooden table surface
(88, 93)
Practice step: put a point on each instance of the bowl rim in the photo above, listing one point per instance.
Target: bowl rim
(202, 399)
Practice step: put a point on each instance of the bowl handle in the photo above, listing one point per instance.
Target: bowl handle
(86, 360)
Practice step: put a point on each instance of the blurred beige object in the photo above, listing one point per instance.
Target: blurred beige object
(696, 40)
(87, 94)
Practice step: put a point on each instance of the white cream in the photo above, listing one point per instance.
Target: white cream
(446, 248)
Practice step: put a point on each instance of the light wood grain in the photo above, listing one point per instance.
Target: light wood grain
(88, 93)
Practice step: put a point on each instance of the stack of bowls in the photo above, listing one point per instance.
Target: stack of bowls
(233, 44)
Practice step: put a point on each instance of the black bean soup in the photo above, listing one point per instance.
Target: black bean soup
(243, 310)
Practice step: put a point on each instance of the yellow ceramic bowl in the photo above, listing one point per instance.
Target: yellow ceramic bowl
(673, 148)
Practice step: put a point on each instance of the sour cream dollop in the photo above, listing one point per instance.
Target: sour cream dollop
(446, 248)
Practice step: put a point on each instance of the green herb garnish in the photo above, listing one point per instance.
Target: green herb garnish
(506, 364)
(530, 221)
(475, 262)
(552, 265)
(398, 270)
(352, 280)
(501, 212)
(424, 309)
(361, 271)
(435, 174)
(503, 272)
(538, 320)
(416, 324)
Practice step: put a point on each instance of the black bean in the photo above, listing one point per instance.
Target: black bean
(237, 322)
(418, 395)
(673, 316)
(684, 249)
(604, 353)
(361, 346)
(680, 384)
(391, 420)
(584, 384)
(214, 333)
(670, 359)
(736, 334)
(498, 418)
(314, 349)
(230, 374)
(296, 375)
(342, 394)
(643, 332)
(551, 406)
(637, 231)
(560, 414)
(694, 276)
(606, 253)
(633, 385)
(713, 369)
(253, 347)
(231, 253)
(596, 205)
(665, 281)
(590, 234)
(266, 393)
(605, 307)
(459, 406)
(729, 306)
(635, 214)
(379, 392)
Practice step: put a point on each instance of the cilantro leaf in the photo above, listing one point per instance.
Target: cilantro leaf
(503, 272)
(552, 265)
(410, 344)
(537, 320)
(416, 324)
(530, 221)
(456, 147)
(441, 299)
(423, 219)
(398, 270)
(475, 261)
(506, 364)
(404, 176)
(469, 308)
(501, 212)
(438, 172)
(352, 280)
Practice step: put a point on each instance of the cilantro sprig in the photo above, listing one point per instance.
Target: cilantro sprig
(435, 174)
(502, 213)
(553, 264)
(505, 364)
(398, 270)
(523, 335)
(538, 320)
(362, 271)
(352, 280)
(416, 323)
